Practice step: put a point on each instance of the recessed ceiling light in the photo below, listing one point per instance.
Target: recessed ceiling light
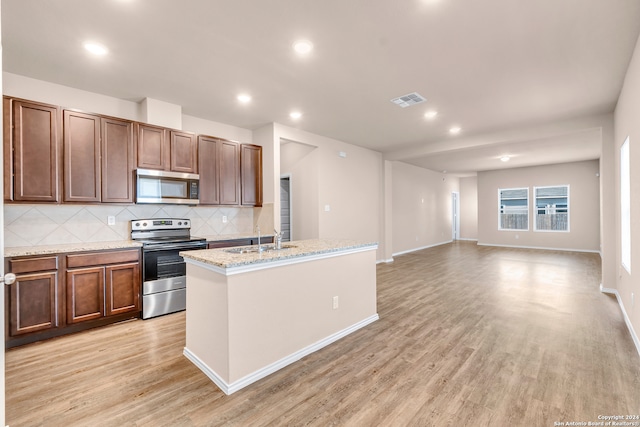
(96, 48)
(455, 130)
(431, 114)
(505, 158)
(303, 47)
(244, 98)
(295, 115)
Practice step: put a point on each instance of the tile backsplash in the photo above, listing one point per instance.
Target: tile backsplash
(40, 224)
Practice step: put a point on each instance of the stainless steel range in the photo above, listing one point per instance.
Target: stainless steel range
(164, 283)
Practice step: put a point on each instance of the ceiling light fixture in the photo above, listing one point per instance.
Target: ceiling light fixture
(244, 98)
(295, 115)
(455, 130)
(303, 47)
(96, 48)
(431, 114)
(505, 158)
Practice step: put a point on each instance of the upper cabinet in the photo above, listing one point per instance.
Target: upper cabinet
(32, 151)
(55, 155)
(98, 159)
(81, 157)
(183, 152)
(152, 148)
(251, 174)
(165, 149)
(117, 160)
(219, 166)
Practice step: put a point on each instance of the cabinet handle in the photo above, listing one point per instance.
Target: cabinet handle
(8, 279)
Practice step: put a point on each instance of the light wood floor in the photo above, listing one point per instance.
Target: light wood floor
(467, 335)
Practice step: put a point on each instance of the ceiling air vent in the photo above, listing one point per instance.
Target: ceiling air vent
(409, 100)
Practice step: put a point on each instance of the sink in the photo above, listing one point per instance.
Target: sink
(254, 249)
(244, 250)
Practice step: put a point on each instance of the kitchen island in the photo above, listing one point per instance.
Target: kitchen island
(252, 313)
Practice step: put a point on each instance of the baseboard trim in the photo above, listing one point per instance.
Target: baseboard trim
(384, 261)
(421, 248)
(541, 248)
(467, 240)
(275, 366)
(615, 292)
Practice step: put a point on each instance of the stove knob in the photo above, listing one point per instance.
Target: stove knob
(186, 223)
(137, 224)
(179, 223)
(144, 224)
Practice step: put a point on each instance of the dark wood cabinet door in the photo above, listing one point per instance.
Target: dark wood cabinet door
(85, 294)
(7, 151)
(123, 288)
(117, 161)
(229, 172)
(208, 170)
(81, 157)
(251, 175)
(36, 144)
(184, 152)
(152, 148)
(32, 303)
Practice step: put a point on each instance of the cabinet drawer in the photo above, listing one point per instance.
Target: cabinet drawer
(32, 265)
(102, 258)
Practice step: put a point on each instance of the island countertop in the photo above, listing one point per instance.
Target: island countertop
(224, 261)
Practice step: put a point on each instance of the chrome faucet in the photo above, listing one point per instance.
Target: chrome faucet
(259, 245)
(278, 238)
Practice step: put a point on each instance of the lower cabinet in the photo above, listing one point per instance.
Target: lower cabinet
(59, 294)
(102, 284)
(33, 298)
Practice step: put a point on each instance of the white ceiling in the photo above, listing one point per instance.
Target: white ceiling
(491, 67)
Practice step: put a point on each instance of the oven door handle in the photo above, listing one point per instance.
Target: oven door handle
(181, 247)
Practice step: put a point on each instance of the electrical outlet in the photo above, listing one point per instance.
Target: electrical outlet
(224, 219)
(327, 208)
(111, 220)
(335, 303)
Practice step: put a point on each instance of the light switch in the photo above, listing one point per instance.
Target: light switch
(111, 220)
(327, 208)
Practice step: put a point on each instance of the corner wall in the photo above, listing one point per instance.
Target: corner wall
(421, 212)
(469, 208)
(584, 206)
(349, 187)
(627, 124)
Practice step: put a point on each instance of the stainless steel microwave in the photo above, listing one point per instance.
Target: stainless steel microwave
(155, 186)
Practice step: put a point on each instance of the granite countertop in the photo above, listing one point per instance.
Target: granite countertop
(99, 246)
(221, 258)
(70, 247)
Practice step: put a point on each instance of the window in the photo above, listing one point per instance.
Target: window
(552, 208)
(625, 206)
(513, 213)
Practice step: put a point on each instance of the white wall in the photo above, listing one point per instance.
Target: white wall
(421, 212)
(627, 124)
(351, 187)
(584, 206)
(301, 161)
(68, 97)
(469, 208)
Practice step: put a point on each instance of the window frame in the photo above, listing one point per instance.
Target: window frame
(535, 209)
(500, 190)
(625, 205)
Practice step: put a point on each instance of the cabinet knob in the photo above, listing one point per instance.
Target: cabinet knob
(8, 279)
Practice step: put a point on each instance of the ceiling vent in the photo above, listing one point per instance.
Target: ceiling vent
(409, 100)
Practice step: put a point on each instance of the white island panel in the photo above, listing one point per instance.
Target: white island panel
(242, 327)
